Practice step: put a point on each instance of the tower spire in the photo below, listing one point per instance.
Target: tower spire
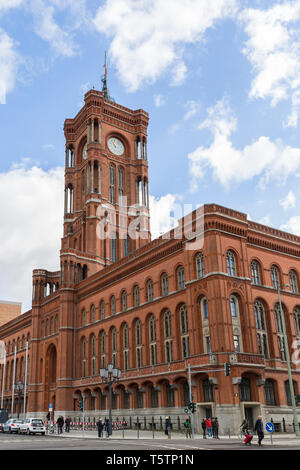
(104, 81)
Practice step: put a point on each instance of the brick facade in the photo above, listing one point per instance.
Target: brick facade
(154, 307)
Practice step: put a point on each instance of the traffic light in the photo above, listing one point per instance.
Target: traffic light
(192, 407)
(227, 369)
(80, 405)
(297, 398)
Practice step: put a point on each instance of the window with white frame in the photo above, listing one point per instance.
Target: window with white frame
(168, 336)
(152, 340)
(275, 277)
(164, 284)
(261, 329)
(180, 278)
(200, 265)
(231, 263)
(184, 330)
(255, 273)
(293, 282)
(279, 330)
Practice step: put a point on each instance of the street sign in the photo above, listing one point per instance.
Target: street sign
(50, 406)
(270, 427)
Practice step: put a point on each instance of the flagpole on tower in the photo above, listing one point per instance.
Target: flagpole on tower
(104, 81)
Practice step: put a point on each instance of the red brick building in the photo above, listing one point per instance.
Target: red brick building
(153, 307)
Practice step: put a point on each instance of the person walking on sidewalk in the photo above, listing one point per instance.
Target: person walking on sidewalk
(60, 424)
(203, 424)
(168, 427)
(259, 428)
(100, 426)
(216, 428)
(209, 427)
(67, 423)
(188, 428)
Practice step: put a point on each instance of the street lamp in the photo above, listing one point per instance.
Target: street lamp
(19, 388)
(110, 376)
(287, 355)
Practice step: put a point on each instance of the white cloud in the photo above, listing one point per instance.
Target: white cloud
(192, 109)
(31, 228)
(289, 201)
(273, 48)
(148, 37)
(60, 38)
(266, 220)
(292, 225)
(263, 158)
(8, 4)
(159, 101)
(9, 63)
(165, 212)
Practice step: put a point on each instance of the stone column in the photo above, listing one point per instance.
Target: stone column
(99, 178)
(92, 136)
(92, 178)
(99, 132)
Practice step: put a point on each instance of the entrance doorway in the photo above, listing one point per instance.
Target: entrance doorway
(249, 417)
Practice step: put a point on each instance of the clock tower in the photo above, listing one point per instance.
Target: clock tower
(106, 213)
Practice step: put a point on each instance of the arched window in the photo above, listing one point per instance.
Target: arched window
(297, 320)
(113, 248)
(112, 179)
(138, 342)
(234, 306)
(121, 184)
(136, 295)
(164, 284)
(275, 277)
(84, 357)
(113, 305)
(126, 347)
(279, 329)
(114, 346)
(124, 301)
(255, 273)
(293, 282)
(231, 263)
(93, 355)
(93, 314)
(270, 392)
(103, 349)
(208, 390)
(152, 340)
(204, 308)
(200, 266)
(245, 390)
(168, 336)
(180, 278)
(184, 331)
(260, 322)
(149, 290)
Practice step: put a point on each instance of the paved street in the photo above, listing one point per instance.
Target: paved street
(76, 440)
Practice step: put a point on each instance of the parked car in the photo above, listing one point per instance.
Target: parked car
(32, 426)
(12, 425)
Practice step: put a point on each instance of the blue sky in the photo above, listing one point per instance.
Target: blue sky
(220, 80)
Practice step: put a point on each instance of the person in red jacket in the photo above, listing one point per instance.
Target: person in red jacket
(209, 427)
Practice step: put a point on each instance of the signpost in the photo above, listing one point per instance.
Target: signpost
(270, 428)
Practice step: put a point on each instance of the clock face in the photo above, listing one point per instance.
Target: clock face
(84, 152)
(115, 146)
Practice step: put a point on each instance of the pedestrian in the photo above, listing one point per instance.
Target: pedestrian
(188, 428)
(209, 427)
(100, 426)
(107, 427)
(60, 423)
(245, 427)
(203, 424)
(216, 429)
(67, 423)
(168, 427)
(259, 428)
(213, 426)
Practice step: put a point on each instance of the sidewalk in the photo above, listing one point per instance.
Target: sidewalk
(159, 435)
